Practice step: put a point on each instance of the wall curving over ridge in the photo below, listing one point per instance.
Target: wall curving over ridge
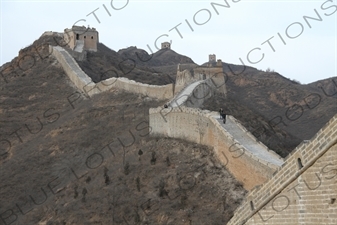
(202, 127)
(85, 84)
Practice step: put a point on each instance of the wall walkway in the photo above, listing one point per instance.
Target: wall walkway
(203, 127)
(239, 139)
(246, 139)
(234, 128)
(182, 97)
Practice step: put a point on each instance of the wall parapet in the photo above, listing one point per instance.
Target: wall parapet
(201, 126)
(85, 84)
(307, 153)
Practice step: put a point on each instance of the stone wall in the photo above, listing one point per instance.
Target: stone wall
(304, 189)
(187, 76)
(201, 127)
(52, 33)
(184, 78)
(85, 84)
(78, 56)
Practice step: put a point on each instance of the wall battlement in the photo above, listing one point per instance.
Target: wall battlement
(305, 186)
(85, 84)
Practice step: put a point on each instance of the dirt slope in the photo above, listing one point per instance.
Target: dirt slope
(159, 68)
(66, 159)
(279, 112)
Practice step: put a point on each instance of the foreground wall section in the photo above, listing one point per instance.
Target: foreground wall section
(85, 84)
(201, 127)
(304, 189)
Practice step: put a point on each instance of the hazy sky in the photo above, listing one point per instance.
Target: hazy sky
(264, 34)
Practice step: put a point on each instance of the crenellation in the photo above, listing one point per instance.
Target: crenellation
(307, 185)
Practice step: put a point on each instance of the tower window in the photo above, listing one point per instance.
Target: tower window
(251, 205)
(299, 162)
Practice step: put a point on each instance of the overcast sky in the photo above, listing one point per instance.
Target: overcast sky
(264, 34)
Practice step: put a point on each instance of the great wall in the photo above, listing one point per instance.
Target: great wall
(301, 189)
(84, 83)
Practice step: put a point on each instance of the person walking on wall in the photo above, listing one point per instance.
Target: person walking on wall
(224, 118)
(220, 112)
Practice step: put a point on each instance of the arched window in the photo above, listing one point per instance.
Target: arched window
(299, 162)
(252, 205)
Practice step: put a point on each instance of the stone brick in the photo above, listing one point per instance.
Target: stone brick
(313, 205)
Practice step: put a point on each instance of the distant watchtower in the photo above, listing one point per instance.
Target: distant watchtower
(219, 62)
(81, 38)
(165, 45)
(212, 58)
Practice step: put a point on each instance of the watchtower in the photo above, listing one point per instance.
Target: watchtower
(81, 38)
(212, 58)
(166, 45)
(219, 62)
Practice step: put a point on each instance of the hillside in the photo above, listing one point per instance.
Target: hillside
(67, 159)
(163, 57)
(280, 112)
(159, 68)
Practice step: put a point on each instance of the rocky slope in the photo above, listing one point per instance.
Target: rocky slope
(67, 159)
(279, 112)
